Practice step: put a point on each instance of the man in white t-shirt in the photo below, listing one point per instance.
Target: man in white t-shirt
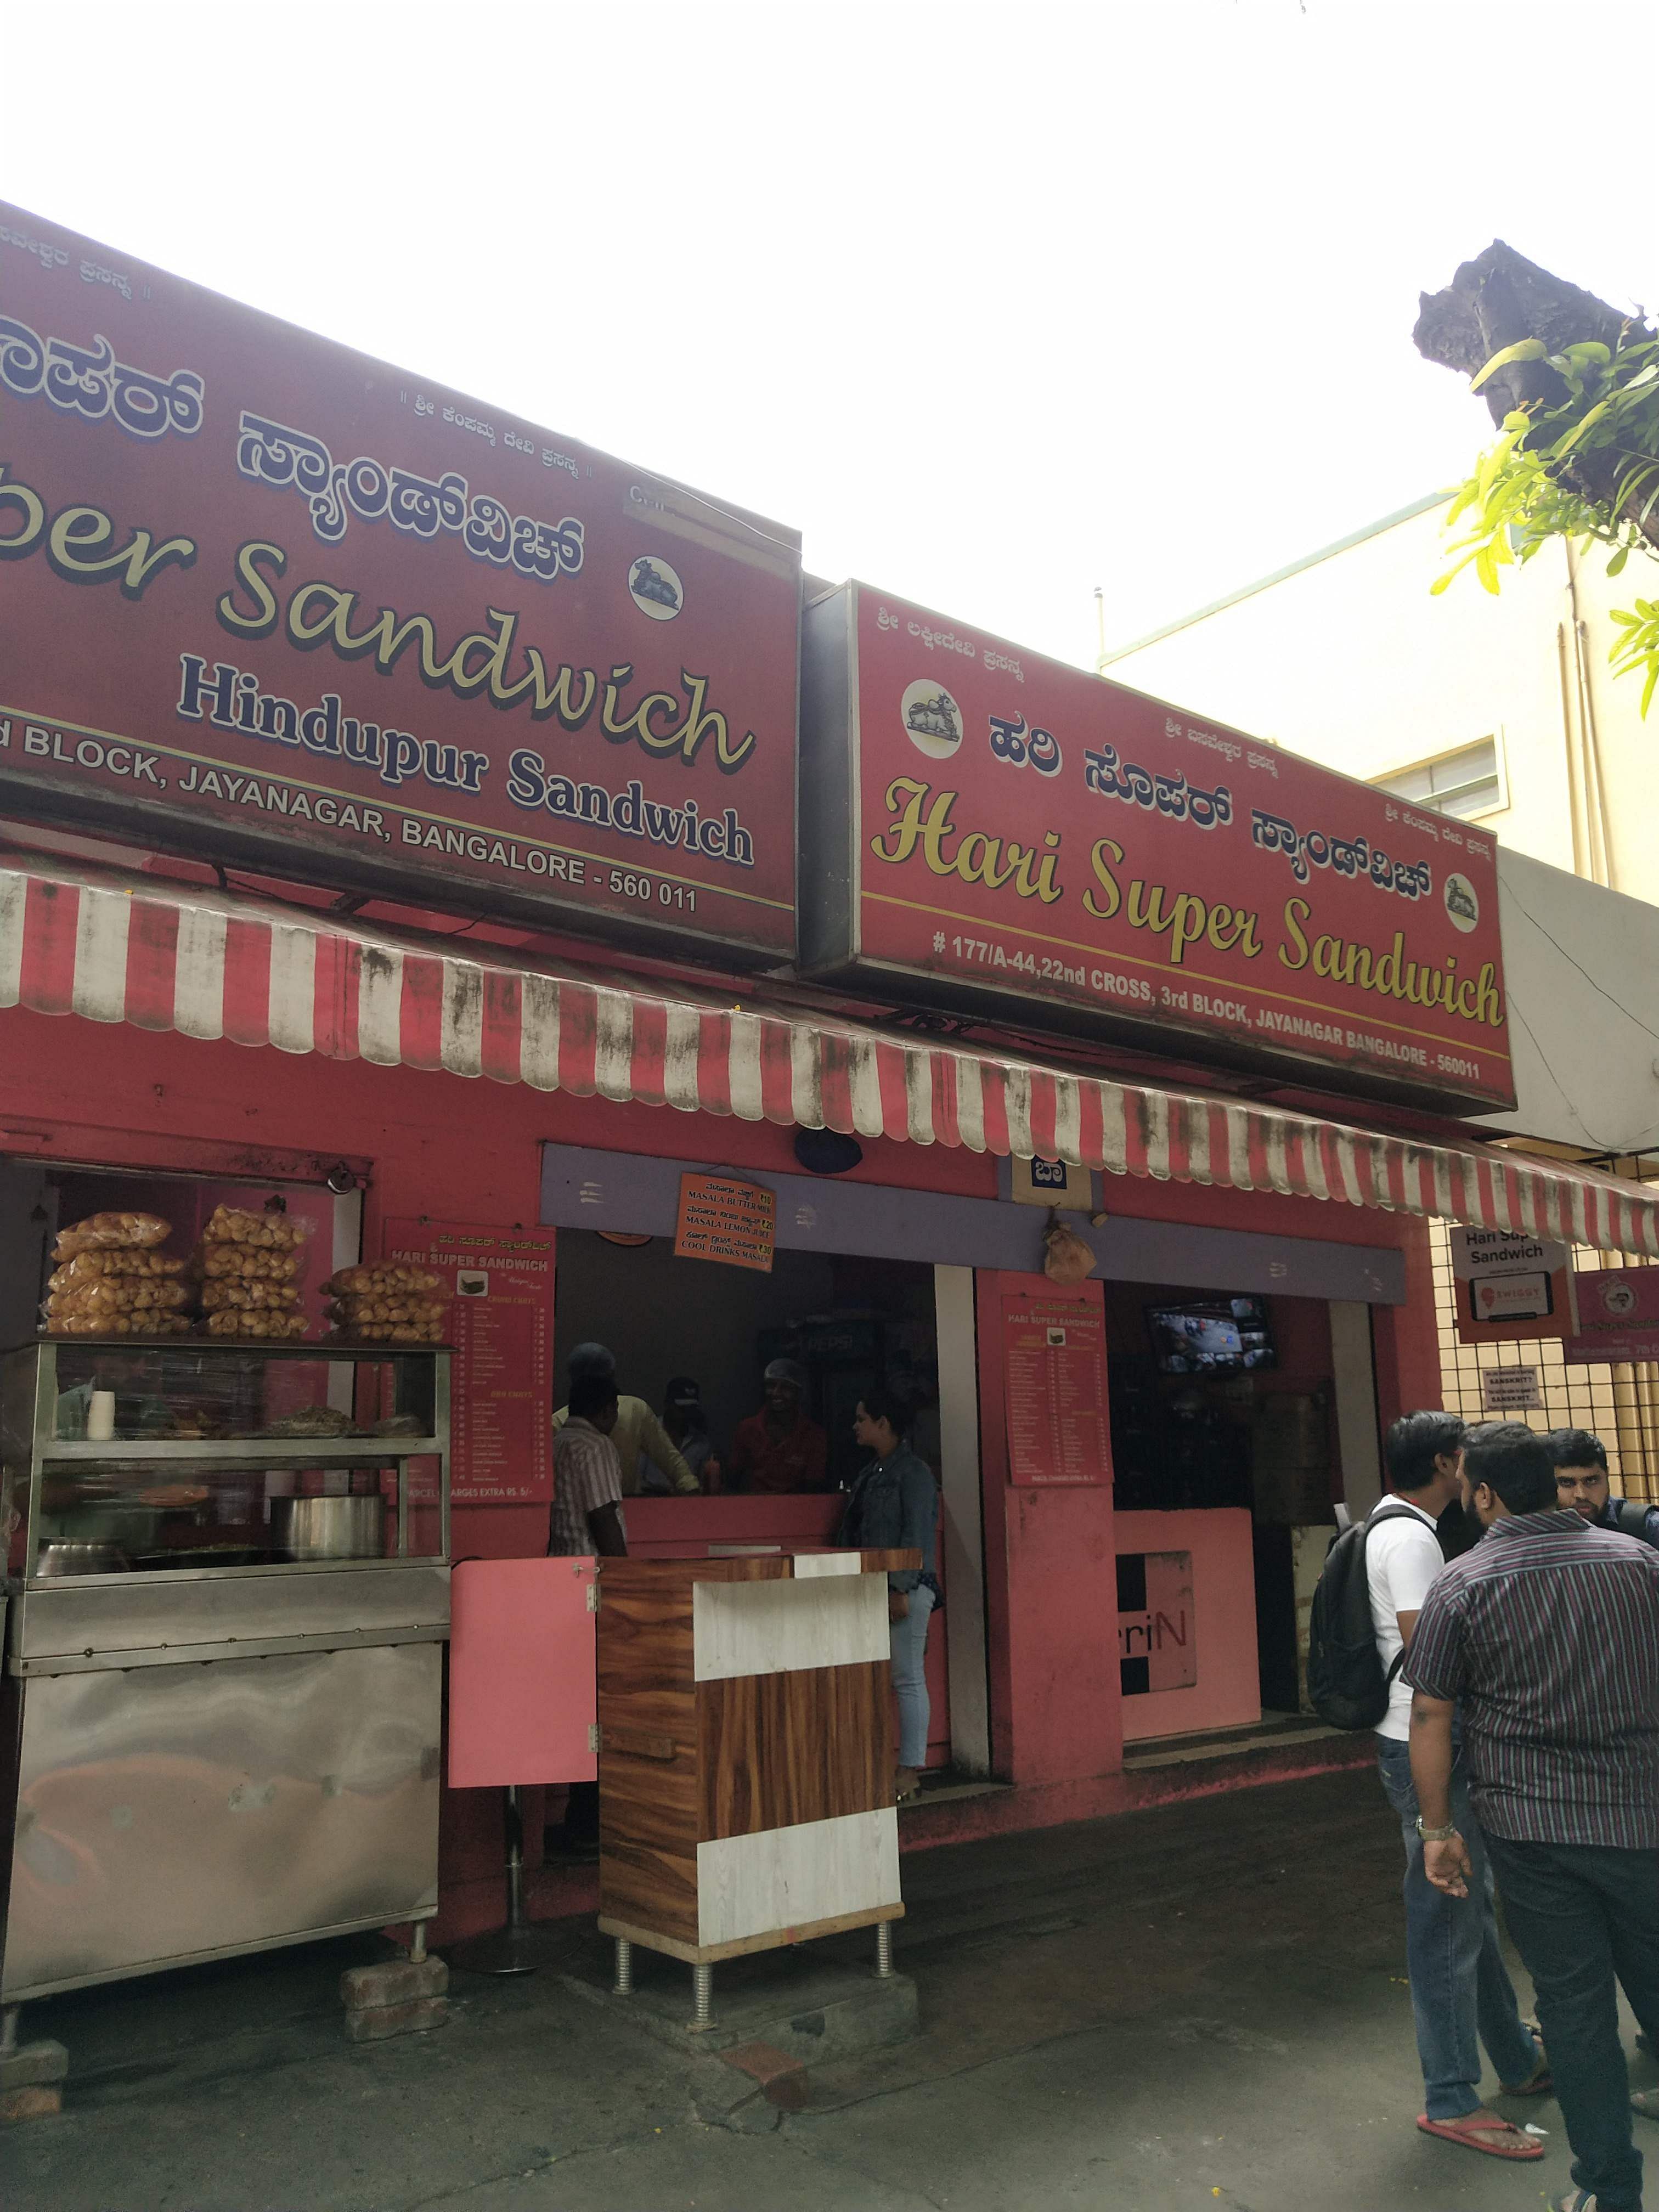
(1462, 1993)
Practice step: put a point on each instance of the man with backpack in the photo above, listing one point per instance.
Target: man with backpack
(1364, 1613)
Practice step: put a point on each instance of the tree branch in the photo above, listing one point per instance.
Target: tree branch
(1499, 299)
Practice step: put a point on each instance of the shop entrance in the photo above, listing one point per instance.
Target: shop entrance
(1225, 1468)
(842, 1320)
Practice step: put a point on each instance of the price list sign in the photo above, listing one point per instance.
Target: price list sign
(1054, 1355)
(500, 1282)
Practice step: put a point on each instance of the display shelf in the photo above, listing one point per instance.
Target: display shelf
(146, 1503)
(124, 1452)
(287, 1347)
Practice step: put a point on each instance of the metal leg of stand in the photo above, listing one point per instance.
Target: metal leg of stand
(418, 1943)
(521, 1946)
(702, 1997)
(883, 1949)
(8, 2017)
(624, 1984)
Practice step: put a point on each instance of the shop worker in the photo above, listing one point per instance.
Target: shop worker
(1543, 1642)
(893, 1506)
(687, 1424)
(640, 1438)
(1582, 1485)
(1461, 1994)
(586, 1522)
(780, 1449)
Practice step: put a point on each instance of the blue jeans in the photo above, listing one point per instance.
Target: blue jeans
(1460, 1987)
(910, 1678)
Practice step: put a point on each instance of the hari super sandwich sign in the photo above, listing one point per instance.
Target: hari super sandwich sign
(1000, 830)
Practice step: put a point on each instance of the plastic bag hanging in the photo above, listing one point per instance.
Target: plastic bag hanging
(1066, 1258)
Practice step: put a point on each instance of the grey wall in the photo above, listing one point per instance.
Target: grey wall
(587, 1189)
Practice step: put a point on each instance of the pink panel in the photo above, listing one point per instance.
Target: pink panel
(1225, 1689)
(521, 1682)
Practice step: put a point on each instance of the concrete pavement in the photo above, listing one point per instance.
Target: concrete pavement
(1199, 2007)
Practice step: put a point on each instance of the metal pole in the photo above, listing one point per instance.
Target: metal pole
(9, 2029)
(418, 1942)
(514, 1860)
(624, 1984)
(702, 1997)
(883, 1949)
(522, 1945)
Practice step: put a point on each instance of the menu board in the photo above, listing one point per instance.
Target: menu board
(724, 1220)
(501, 1404)
(1054, 1352)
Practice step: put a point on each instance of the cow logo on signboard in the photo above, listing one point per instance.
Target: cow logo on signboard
(656, 589)
(933, 719)
(1463, 904)
(1617, 1297)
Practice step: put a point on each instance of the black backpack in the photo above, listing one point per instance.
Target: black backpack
(1346, 1684)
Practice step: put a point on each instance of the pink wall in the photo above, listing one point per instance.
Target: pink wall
(1051, 1590)
(78, 1089)
(1226, 1693)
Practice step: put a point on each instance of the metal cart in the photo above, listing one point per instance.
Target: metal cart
(220, 1710)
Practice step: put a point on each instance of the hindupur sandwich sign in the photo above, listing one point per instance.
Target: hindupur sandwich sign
(1004, 831)
(266, 597)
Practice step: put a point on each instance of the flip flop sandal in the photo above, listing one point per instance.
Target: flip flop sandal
(1540, 2081)
(1472, 2126)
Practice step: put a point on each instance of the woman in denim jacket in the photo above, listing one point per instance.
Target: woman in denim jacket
(894, 1506)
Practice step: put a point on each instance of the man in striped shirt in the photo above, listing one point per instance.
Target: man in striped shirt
(585, 1522)
(1545, 1640)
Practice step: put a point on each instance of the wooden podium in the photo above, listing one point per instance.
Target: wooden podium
(745, 1755)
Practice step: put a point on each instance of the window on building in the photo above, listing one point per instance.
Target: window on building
(1467, 782)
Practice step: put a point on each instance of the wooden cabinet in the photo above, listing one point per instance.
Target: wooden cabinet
(746, 1750)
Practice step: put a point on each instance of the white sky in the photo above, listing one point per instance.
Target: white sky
(994, 303)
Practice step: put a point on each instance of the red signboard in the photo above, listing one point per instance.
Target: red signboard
(501, 1323)
(265, 597)
(1055, 1376)
(1618, 1314)
(1013, 832)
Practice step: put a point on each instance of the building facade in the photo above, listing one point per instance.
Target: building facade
(1501, 711)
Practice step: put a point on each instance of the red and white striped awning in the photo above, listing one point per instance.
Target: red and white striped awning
(115, 949)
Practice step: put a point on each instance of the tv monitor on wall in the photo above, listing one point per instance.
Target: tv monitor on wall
(1212, 1336)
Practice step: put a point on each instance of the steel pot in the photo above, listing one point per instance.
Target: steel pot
(329, 1527)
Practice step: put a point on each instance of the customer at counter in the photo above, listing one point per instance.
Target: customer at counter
(585, 1520)
(894, 1506)
(780, 1449)
(639, 1436)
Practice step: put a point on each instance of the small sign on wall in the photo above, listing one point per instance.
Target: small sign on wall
(1510, 1390)
(1510, 1286)
(723, 1219)
(1157, 1638)
(1617, 1313)
(1051, 1183)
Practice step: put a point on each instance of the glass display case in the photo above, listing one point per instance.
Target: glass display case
(228, 1593)
(184, 1456)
